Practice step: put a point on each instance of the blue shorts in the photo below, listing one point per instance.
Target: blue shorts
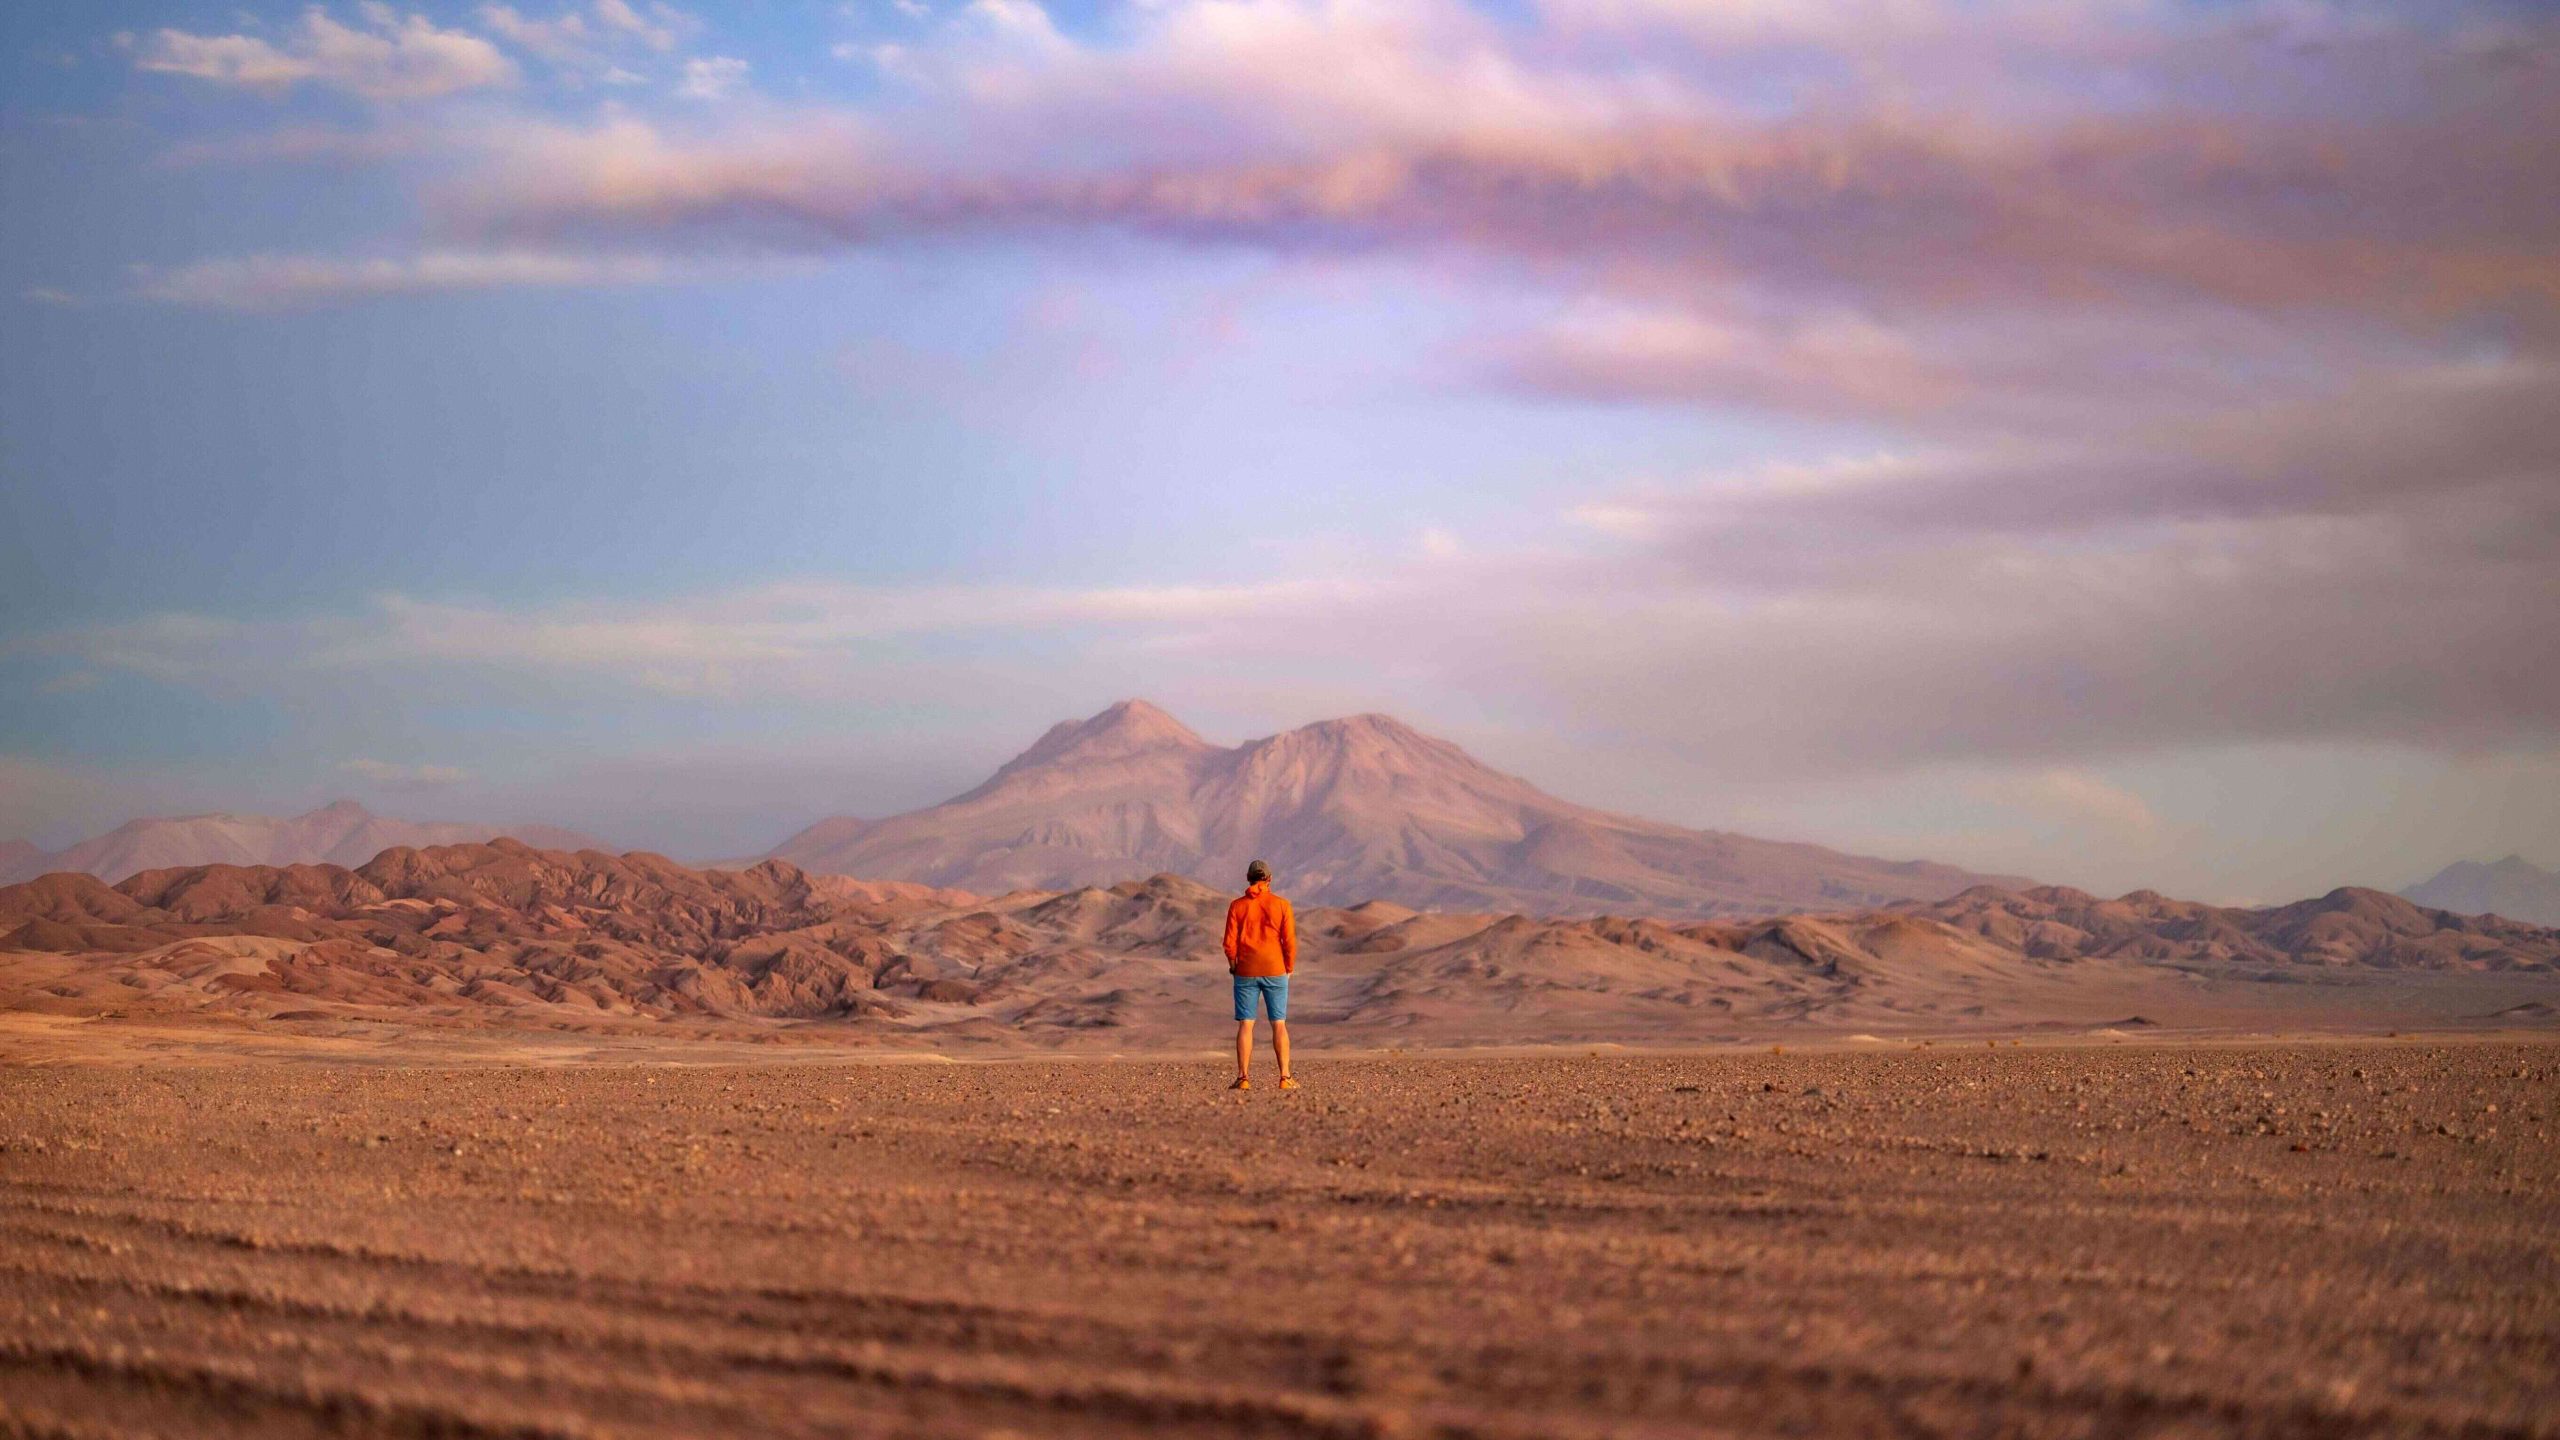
(1274, 990)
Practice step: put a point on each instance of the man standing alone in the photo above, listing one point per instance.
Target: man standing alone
(1262, 952)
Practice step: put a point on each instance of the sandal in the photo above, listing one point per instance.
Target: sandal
(1244, 1084)
(1288, 1083)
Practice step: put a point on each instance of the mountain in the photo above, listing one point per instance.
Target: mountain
(501, 935)
(344, 833)
(1345, 810)
(2513, 887)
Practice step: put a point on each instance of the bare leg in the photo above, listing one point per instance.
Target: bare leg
(1279, 1045)
(1244, 1048)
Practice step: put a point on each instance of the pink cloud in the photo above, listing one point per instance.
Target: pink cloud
(1911, 211)
(388, 57)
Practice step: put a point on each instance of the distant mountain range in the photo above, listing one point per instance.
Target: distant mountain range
(1365, 808)
(2513, 887)
(344, 833)
(1352, 810)
(502, 935)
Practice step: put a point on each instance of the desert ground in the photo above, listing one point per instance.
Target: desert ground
(2101, 1237)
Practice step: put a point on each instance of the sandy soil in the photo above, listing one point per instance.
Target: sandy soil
(2300, 1239)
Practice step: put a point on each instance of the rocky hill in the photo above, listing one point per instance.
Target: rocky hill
(2346, 927)
(504, 935)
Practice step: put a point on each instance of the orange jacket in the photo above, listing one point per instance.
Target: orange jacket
(1262, 934)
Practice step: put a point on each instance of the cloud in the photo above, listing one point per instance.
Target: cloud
(1901, 212)
(1848, 218)
(391, 57)
(2085, 291)
(1737, 616)
(2181, 635)
(713, 77)
(2458, 460)
(659, 30)
(565, 38)
(405, 777)
(1824, 362)
(278, 282)
(589, 38)
(1420, 125)
(794, 634)
(1016, 23)
(2078, 797)
(806, 636)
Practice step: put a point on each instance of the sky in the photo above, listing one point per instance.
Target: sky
(2113, 442)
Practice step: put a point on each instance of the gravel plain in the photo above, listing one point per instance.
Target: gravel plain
(2313, 1239)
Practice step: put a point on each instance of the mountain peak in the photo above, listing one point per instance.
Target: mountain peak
(1138, 715)
(1367, 722)
(338, 810)
(1370, 730)
(1375, 742)
(1131, 727)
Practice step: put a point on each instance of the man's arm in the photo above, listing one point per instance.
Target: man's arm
(1288, 938)
(1232, 909)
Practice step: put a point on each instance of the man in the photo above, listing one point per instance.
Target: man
(1262, 952)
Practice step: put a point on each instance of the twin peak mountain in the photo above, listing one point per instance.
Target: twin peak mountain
(1364, 808)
